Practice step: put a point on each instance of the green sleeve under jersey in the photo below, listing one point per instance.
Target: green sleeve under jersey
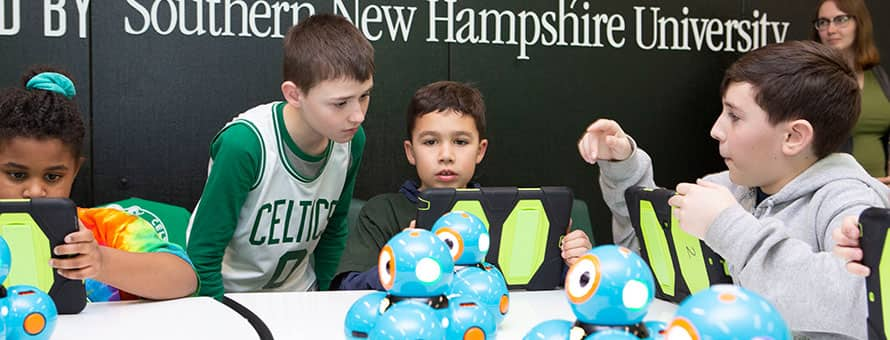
(330, 247)
(236, 155)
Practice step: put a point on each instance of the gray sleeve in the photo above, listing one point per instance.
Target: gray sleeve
(615, 178)
(810, 287)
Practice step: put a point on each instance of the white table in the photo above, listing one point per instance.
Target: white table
(187, 318)
(320, 315)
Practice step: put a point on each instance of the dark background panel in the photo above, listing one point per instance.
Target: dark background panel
(69, 52)
(165, 97)
(880, 15)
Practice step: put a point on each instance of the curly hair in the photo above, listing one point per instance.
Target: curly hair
(40, 114)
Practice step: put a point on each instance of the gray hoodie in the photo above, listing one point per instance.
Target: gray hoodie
(781, 248)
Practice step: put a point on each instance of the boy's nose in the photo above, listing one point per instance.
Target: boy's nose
(445, 153)
(358, 115)
(716, 133)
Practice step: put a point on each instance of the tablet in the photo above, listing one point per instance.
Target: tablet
(682, 264)
(873, 224)
(525, 225)
(32, 228)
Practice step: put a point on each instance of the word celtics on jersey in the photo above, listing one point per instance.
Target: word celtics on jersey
(286, 211)
(277, 215)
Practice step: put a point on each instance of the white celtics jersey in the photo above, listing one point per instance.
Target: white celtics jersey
(284, 215)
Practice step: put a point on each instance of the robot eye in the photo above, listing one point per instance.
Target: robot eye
(583, 279)
(428, 270)
(453, 240)
(635, 294)
(681, 329)
(386, 267)
(484, 243)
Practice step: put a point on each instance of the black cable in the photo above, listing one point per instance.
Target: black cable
(261, 329)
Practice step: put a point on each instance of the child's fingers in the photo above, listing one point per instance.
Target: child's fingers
(685, 188)
(79, 274)
(572, 255)
(588, 148)
(82, 235)
(411, 225)
(858, 269)
(848, 253)
(604, 126)
(843, 236)
(73, 248)
(708, 184)
(576, 242)
(850, 228)
(77, 262)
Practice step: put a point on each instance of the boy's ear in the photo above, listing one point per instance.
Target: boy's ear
(292, 93)
(409, 153)
(798, 137)
(483, 146)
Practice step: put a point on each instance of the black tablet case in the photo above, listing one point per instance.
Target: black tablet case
(873, 225)
(498, 203)
(681, 264)
(56, 218)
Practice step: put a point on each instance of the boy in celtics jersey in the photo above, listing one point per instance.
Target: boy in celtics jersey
(272, 216)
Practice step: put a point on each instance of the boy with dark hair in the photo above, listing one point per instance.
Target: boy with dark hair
(446, 139)
(281, 175)
(786, 109)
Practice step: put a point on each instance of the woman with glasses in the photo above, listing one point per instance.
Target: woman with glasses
(847, 25)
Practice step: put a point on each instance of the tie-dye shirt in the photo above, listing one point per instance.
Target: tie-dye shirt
(117, 229)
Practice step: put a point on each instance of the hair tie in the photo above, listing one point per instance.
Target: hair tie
(54, 82)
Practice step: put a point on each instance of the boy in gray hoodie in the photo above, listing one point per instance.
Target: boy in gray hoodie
(786, 109)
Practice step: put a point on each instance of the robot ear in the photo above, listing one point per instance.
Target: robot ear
(680, 328)
(583, 279)
(386, 267)
(454, 241)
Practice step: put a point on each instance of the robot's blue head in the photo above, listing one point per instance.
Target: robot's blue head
(415, 263)
(727, 311)
(610, 285)
(465, 235)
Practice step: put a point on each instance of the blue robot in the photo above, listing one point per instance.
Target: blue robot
(727, 312)
(363, 315)
(410, 320)
(26, 312)
(416, 269)
(609, 290)
(469, 319)
(31, 313)
(468, 241)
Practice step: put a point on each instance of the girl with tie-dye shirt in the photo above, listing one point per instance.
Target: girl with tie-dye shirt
(41, 134)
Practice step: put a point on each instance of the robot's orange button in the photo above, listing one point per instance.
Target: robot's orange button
(474, 334)
(34, 323)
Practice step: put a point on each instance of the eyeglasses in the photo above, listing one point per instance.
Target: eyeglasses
(842, 20)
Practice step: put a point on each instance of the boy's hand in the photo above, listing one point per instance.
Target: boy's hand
(86, 258)
(574, 244)
(697, 205)
(846, 246)
(604, 140)
(411, 225)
